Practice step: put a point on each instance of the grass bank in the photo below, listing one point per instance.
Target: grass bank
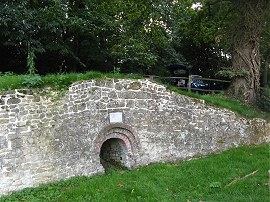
(11, 81)
(239, 174)
(219, 100)
(61, 82)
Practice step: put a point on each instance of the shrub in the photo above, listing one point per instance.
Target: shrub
(31, 81)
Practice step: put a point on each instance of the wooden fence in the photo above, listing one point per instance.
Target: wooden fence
(188, 86)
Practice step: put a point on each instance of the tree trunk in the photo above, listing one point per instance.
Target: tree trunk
(246, 63)
(246, 54)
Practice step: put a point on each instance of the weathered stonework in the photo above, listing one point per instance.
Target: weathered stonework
(43, 140)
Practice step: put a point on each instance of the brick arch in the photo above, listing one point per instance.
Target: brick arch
(124, 133)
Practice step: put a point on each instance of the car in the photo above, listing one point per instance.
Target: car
(198, 85)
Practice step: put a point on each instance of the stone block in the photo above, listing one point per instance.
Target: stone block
(4, 121)
(13, 101)
(3, 143)
(116, 104)
(136, 85)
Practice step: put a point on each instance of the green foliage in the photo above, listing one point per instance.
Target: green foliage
(116, 70)
(263, 100)
(31, 26)
(205, 179)
(32, 80)
(60, 82)
(76, 35)
(199, 35)
(230, 74)
(215, 185)
(134, 53)
(144, 36)
(7, 74)
(226, 74)
(31, 62)
(137, 36)
(10, 81)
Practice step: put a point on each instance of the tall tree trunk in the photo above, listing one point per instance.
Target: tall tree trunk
(246, 54)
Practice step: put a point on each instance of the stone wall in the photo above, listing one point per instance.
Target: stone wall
(42, 140)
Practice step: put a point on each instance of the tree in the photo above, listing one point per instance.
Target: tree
(246, 52)
(144, 43)
(199, 37)
(241, 27)
(30, 26)
(78, 35)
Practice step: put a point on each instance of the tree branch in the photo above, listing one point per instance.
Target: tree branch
(240, 178)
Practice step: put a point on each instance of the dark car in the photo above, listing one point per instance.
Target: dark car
(198, 85)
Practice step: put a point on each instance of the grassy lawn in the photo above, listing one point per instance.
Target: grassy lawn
(239, 174)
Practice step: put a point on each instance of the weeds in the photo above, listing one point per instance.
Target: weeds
(31, 81)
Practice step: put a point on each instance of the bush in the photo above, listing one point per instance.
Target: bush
(31, 81)
(263, 100)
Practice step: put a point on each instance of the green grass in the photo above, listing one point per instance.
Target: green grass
(56, 81)
(219, 100)
(9, 82)
(206, 179)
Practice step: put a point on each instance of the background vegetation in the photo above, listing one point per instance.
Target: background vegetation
(136, 36)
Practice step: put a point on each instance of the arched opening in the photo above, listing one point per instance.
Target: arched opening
(114, 154)
(116, 144)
